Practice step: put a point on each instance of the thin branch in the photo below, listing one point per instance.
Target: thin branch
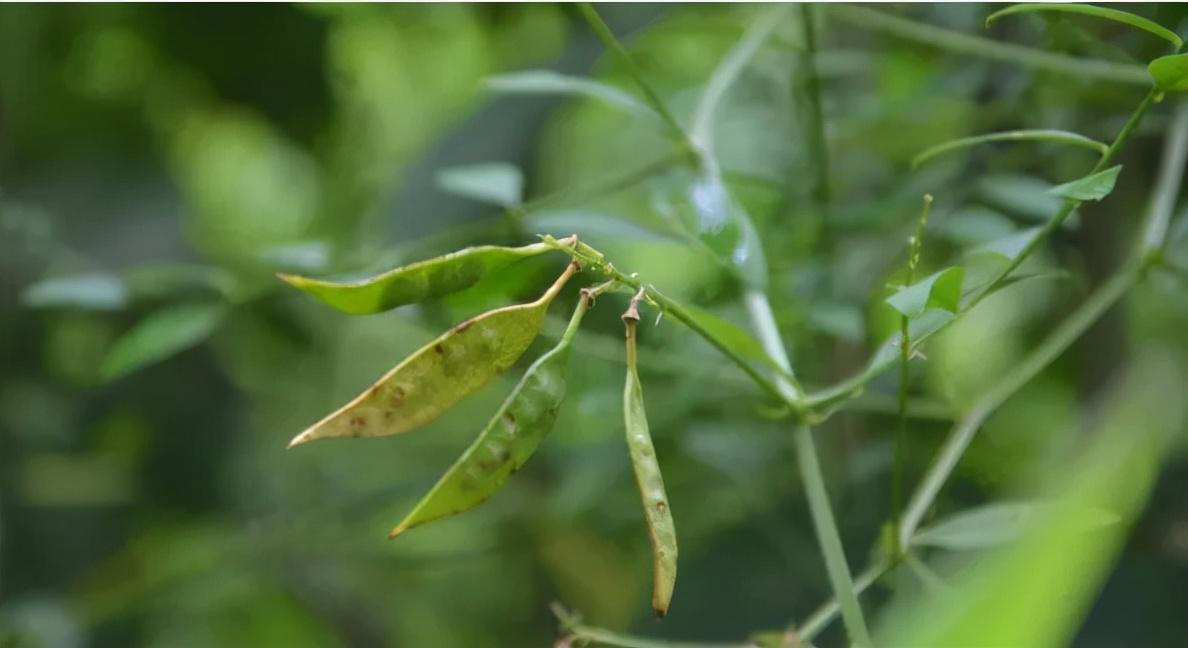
(653, 100)
(1167, 186)
(953, 41)
(819, 620)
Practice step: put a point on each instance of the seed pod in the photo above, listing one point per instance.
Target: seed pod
(661, 530)
(510, 438)
(415, 282)
(441, 373)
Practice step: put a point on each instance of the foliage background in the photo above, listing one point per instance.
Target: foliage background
(203, 148)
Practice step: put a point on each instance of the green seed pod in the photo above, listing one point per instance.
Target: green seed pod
(509, 439)
(441, 373)
(661, 530)
(415, 282)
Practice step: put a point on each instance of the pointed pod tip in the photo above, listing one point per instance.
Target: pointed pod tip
(397, 531)
(661, 612)
(298, 440)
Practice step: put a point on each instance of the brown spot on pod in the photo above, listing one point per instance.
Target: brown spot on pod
(438, 348)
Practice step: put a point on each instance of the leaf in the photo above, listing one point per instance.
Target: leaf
(1096, 11)
(1170, 73)
(731, 336)
(1043, 135)
(441, 373)
(415, 282)
(549, 82)
(497, 183)
(1009, 247)
(161, 335)
(90, 292)
(657, 513)
(940, 290)
(1091, 187)
(995, 524)
(705, 210)
(509, 439)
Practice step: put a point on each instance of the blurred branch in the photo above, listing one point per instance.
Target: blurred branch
(1167, 186)
(953, 41)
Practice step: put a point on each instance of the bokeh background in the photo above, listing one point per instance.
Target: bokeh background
(173, 158)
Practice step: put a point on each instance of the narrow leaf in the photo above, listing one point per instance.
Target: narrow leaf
(415, 282)
(161, 335)
(1044, 135)
(443, 372)
(1091, 187)
(549, 82)
(497, 183)
(940, 290)
(661, 530)
(509, 439)
(996, 524)
(90, 292)
(1170, 73)
(1010, 247)
(732, 336)
(1095, 11)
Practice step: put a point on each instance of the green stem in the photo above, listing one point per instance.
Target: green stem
(820, 619)
(1051, 348)
(854, 385)
(827, 535)
(810, 91)
(1167, 186)
(984, 47)
(604, 34)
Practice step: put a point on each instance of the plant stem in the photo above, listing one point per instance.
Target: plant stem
(819, 620)
(725, 74)
(1051, 348)
(828, 537)
(810, 91)
(604, 34)
(854, 385)
(1167, 186)
(933, 36)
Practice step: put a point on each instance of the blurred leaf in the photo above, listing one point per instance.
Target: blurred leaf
(1045, 135)
(161, 335)
(92, 292)
(497, 183)
(415, 282)
(1170, 73)
(587, 224)
(1095, 11)
(706, 211)
(171, 280)
(843, 321)
(1009, 247)
(549, 82)
(441, 373)
(993, 525)
(509, 439)
(313, 256)
(939, 290)
(1091, 187)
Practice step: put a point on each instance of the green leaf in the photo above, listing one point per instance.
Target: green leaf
(657, 512)
(995, 524)
(443, 372)
(707, 212)
(415, 282)
(497, 183)
(731, 336)
(1170, 73)
(1009, 247)
(549, 82)
(940, 290)
(1095, 11)
(1091, 187)
(509, 439)
(161, 335)
(1045, 135)
(90, 292)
